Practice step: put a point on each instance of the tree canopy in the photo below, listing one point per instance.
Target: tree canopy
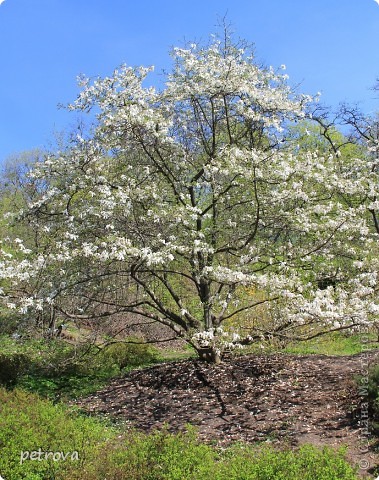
(185, 200)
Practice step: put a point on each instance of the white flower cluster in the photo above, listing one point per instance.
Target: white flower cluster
(218, 339)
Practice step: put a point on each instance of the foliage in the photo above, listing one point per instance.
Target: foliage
(58, 370)
(28, 423)
(307, 463)
(182, 456)
(128, 355)
(181, 200)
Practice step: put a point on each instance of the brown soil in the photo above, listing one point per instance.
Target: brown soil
(283, 399)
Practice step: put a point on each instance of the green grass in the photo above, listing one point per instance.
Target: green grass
(171, 355)
(29, 423)
(331, 344)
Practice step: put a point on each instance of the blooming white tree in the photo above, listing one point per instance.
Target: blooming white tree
(186, 200)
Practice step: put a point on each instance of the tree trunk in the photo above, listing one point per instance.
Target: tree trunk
(209, 355)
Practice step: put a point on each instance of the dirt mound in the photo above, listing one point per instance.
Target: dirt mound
(283, 399)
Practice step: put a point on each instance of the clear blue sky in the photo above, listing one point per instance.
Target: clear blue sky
(328, 45)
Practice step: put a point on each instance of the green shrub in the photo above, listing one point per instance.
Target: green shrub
(158, 456)
(266, 463)
(127, 355)
(28, 423)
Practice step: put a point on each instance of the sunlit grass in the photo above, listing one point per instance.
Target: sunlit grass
(333, 344)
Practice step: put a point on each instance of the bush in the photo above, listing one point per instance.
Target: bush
(158, 456)
(307, 463)
(128, 355)
(28, 423)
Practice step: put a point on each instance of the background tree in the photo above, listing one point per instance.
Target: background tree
(16, 191)
(185, 201)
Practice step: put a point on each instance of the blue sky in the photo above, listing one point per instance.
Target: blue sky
(328, 45)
